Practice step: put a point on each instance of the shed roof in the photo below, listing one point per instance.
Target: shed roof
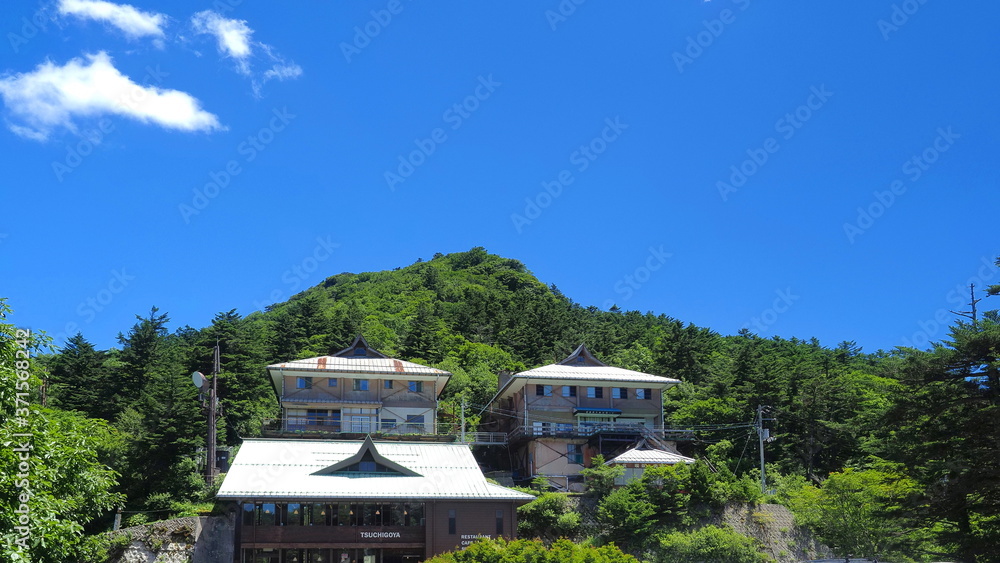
(294, 469)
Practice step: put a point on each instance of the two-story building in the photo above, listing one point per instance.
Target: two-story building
(560, 415)
(358, 390)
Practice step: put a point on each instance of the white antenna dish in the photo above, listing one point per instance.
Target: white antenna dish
(199, 380)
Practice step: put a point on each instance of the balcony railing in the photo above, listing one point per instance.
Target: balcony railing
(304, 427)
(586, 429)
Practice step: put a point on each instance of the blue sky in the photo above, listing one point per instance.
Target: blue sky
(802, 169)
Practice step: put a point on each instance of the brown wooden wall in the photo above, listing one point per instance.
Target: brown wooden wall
(473, 519)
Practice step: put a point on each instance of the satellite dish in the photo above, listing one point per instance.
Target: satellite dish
(199, 380)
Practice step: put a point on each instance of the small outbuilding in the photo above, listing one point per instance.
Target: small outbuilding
(636, 460)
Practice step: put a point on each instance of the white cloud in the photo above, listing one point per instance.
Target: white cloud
(54, 96)
(234, 39)
(133, 22)
(233, 36)
(283, 72)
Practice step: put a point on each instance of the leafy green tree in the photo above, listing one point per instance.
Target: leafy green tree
(511, 551)
(601, 477)
(711, 544)
(549, 516)
(856, 511)
(52, 480)
(626, 515)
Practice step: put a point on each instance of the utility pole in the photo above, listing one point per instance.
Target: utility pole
(463, 419)
(763, 435)
(212, 394)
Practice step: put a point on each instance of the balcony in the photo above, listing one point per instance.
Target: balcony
(588, 429)
(329, 429)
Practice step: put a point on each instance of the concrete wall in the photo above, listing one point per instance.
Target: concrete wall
(181, 540)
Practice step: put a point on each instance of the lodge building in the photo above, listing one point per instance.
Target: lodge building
(558, 416)
(358, 391)
(321, 501)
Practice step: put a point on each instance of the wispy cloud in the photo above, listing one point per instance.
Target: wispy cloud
(132, 21)
(234, 40)
(52, 97)
(232, 36)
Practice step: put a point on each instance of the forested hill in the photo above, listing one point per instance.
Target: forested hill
(922, 418)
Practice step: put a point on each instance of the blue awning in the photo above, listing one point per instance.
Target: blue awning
(581, 410)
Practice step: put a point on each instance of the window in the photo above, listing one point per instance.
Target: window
(543, 390)
(360, 384)
(542, 428)
(388, 424)
(643, 393)
(499, 523)
(574, 453)
(303, 383)
(619, 393)
(249, 513)
(564, 428)
(331, 382)
(415, 423)
(293, 514)
(595, 392)
(452, 522)
(265, 514)
(416, 387)
(388, 384)
(569, 391)
(316, 417)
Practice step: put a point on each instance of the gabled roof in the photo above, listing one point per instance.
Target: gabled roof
(650, 457)
(583, 368)
(367, 451)
(300, 469)
(581, 357)
(360, 349)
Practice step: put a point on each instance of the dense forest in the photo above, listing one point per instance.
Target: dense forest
(892, 452)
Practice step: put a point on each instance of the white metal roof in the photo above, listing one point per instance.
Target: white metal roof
(335, 364)
(595, 373)
(331, 366)
(285, 469)
(650, 457)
